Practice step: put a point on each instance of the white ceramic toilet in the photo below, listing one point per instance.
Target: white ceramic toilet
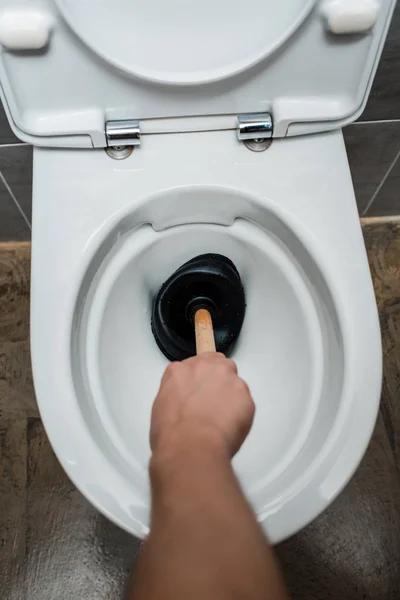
(167, 129)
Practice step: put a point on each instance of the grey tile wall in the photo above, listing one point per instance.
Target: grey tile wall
(384, 101)
(373, 151)
(15, 192)
(373, 146)
(6, 134)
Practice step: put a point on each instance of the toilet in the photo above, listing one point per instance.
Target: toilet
(167, 129)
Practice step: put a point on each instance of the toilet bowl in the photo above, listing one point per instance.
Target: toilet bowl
(309, 348)
(144, 161)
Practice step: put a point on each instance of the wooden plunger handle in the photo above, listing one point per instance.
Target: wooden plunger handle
(205, 341)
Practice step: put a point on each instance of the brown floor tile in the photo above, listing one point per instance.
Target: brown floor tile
(352, 551)
(16, 386)
(72, 551)
(13, 460)
(383, 248)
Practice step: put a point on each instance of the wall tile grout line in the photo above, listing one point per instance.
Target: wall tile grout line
(3, 179)
(376, 122)
(14, 144)
(380, 186)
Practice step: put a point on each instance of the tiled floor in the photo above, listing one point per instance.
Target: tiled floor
(55, 546)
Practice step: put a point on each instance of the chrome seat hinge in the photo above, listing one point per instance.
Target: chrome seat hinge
(251, 126)
(122, 133)
(254, 126)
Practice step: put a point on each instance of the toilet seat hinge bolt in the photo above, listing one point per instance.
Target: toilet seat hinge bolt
(255, 130)
(122, 133)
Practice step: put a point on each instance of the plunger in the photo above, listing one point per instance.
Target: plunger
(200, 308)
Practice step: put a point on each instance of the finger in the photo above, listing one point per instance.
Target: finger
(171, 371)
(207, 357)
(213, 358)
(232, 366)
(219, 358)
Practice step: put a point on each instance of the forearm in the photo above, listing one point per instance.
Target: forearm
(205, 541)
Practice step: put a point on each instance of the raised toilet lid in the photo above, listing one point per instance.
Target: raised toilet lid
(67, 67)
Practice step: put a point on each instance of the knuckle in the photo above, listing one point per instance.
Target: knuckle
(252, 407)
(241, 384)
(214, 358)
(201, 359)
(173, 370)
(231, 365)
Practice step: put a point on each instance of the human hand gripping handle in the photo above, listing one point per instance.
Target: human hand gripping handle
(201, 399)
(210, 387)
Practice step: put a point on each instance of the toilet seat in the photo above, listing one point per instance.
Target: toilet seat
(84, 451)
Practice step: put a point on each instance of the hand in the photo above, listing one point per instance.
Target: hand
(202, 395)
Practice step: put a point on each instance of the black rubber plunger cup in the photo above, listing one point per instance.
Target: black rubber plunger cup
(209, 281)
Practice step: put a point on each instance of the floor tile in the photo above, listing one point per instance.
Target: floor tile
(13, 463)
(384, 100)
(383, 249)
(17, 397)
(16, 166)
(371, 149)
(72, 551)
(353, 549)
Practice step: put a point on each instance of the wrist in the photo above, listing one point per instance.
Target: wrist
(187, 447)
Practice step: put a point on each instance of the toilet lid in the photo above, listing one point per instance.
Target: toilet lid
(69, 66)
